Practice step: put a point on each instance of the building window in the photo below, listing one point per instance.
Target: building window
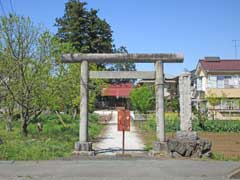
(212, 81)
(221, 81)
(231, 81)
(235, 81)
(199, 84)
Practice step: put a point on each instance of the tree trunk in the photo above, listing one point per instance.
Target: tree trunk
(9, 119)
(24, 128)
(25, 123)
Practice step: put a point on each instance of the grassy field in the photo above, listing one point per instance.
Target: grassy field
(57, 139)
(225, 145)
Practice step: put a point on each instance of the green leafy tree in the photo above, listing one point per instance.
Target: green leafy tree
(87, 33)
(127, 66)
(25, 65)
(142, 99)
(84, 29)
(213, 100)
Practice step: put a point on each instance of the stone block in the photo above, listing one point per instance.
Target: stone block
(207, 154)
(186, 135)
(172, 144)
(160, 146)
(189, 150)
(176, 155)
(84, 153)
(197, 154)
(83, 146)
(181, 149)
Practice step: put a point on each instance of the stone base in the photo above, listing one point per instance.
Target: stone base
(189, 148)
(187, 135)
(84, 153)
(83, 146)
(160, 146)
(163, 154)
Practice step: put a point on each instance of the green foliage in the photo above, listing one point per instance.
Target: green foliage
(222, 157)
(172, 123)
(84, 29)
(127, 66)
(55, 141)
(172, 105)
(142, 99)
(218, 126)
(214, 100)
(25, 64)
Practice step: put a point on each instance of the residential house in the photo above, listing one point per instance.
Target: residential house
(217, 83)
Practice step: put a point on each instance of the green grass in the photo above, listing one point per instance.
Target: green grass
(221, 157)
(54, 142)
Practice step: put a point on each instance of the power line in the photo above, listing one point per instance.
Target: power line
(235, 41)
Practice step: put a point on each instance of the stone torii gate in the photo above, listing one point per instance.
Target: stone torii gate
(159, 59)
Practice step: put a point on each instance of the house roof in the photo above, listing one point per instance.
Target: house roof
(118, 90)
(220, 65)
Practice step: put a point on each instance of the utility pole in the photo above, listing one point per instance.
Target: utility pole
(235, 41)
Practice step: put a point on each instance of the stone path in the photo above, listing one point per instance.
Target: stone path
(112, 138)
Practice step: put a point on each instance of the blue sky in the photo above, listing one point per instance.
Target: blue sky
(196, 28)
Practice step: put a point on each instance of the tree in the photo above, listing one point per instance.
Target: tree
(87, 33)
(84, 29)
(214, 100)
(127, 66)
(142, 99)
(25, 65)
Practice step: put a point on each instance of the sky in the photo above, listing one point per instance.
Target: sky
(194, 28)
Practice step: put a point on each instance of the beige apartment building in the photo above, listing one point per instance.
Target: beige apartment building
(217, 82)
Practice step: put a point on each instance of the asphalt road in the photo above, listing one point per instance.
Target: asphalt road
(117, 169)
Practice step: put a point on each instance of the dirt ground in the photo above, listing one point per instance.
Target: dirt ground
(227, 144)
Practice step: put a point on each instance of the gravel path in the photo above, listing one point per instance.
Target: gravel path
(112, 138)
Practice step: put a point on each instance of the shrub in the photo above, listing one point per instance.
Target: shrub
(142, 99)
(218, 126)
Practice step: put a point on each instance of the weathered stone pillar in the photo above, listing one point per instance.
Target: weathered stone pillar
(160, 146)
(185, 102)
(185, 108)
(83, 134)
(159, 83)
(83, 144)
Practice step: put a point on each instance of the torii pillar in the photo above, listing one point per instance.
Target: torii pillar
(83, 145)
(159, 92)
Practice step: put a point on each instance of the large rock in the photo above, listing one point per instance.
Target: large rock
(181, 148)
(189, 148)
